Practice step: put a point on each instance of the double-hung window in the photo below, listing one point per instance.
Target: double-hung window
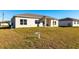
(37, 21)
(21, 21)
(74, 22)
(25, 22)
(77, 22)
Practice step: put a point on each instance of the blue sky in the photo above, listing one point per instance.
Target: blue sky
(8, 14)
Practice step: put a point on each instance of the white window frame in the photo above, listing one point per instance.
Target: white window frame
(23, 22)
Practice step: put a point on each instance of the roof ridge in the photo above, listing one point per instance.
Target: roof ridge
(34, 15)
(68, 18)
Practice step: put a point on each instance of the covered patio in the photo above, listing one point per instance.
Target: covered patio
(45, 21)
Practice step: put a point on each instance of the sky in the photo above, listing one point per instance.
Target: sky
(8, 14)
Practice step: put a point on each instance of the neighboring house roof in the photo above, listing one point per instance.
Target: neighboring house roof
(67, 19)
(4, 21)
(33, 16)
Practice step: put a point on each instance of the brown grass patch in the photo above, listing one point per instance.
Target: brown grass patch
(50, 38)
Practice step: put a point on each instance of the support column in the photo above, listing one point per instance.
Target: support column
(45, 22)
(51, 23)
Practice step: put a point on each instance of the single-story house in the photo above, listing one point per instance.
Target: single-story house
(69, 22)
(33, 20)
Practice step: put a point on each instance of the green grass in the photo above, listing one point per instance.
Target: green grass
(67, 37)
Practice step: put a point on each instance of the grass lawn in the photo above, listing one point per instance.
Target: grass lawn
(50, 38)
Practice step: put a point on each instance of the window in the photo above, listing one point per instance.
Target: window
(74, 22)
(36, 21)
(77, 22)
(23, 22)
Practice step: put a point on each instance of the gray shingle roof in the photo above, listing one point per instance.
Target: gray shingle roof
(69, 19)
(33, 16)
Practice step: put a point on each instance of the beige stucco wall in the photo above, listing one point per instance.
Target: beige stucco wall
(30, 23)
